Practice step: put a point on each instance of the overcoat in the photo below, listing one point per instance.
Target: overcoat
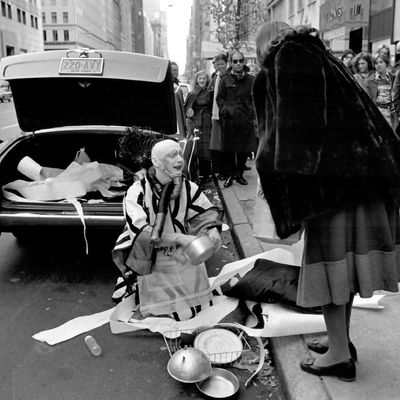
(236, 112)
(326, 144)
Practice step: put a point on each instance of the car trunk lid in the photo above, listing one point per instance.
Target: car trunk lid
(129, 89)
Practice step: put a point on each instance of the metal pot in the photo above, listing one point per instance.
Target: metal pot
(200, 250)
(189, 366)
(221, 384)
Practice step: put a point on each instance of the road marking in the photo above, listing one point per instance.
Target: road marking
(9, 126)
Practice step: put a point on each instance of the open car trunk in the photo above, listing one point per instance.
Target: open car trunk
(58, 151)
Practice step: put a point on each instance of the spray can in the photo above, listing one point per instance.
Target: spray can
(92, 345)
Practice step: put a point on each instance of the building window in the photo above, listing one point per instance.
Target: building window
(36, 23)
(45, 36)
(43, 3)
(32, 22)
(65, 17)
(10, 51)
(9, 11)
(24, 17)
(53, 17)
(64, 2)
(19, 18)
(3, 9)
(55, 36)
(43, 17)
(53, 3)
(66, 36)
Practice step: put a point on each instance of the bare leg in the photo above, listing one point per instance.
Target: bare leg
(335, 320)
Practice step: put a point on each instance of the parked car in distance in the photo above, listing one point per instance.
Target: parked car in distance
(5, 94)
(68, 100)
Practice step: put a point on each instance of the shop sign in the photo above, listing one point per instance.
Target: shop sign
(334, 14)
(355, 10)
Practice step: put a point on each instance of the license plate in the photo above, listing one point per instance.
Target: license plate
(81, 66)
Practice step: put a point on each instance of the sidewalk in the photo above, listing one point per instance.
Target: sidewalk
(375, 333)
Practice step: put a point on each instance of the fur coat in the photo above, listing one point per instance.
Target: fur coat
(326, 144)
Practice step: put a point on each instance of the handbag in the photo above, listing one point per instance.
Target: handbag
(264, 228)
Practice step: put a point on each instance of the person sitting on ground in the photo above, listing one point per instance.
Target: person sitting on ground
(164, 212)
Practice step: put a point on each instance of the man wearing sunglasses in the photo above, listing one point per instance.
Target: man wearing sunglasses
(238, 117)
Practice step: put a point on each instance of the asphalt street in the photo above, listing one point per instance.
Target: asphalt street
(48, 281)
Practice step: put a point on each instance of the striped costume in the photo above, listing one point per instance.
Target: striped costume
(165, 285)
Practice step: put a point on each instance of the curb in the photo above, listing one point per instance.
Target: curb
(287, 351)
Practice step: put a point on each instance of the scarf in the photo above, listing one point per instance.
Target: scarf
(215, 110)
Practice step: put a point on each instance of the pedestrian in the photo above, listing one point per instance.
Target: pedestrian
(380, 86)
(347, 58)
(331, 165)
(198, 111)
(217, 156)
(363, 69)
(164, 212)
(385, 50)
(237, 113)
(396, 101)
(179, 100)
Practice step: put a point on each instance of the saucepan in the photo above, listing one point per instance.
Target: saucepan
(199, 250)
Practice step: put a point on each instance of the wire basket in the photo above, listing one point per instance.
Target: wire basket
(180, 339)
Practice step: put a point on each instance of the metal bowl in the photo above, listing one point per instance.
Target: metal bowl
(200, 250)
(221, 384)
(189, 366)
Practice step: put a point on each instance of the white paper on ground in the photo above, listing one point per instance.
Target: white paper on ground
(278, 320)
(74, 327)
(120, 320)
(370, 302)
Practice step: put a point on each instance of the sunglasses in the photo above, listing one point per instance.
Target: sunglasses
(238, 61)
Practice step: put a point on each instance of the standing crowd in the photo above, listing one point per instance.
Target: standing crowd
(379, 78)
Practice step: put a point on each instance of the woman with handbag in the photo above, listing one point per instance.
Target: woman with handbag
(329, 162)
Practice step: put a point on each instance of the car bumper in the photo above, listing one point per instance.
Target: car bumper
(11, 220)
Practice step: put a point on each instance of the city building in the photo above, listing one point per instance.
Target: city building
(304, 12)
(20, 27)
(382, 24)
(81, 24)
(157, 35)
